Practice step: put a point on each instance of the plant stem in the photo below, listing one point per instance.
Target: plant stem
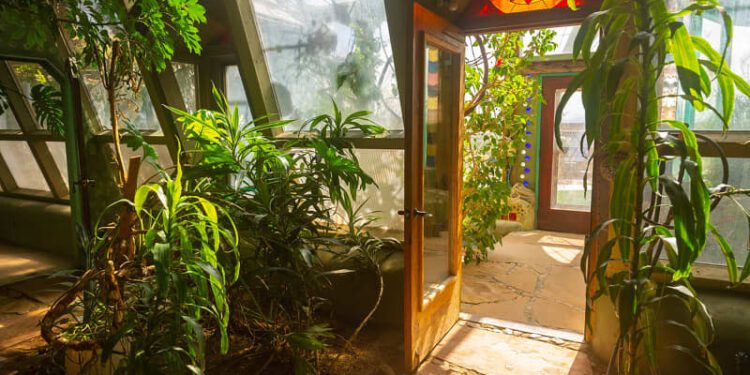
(642, 128)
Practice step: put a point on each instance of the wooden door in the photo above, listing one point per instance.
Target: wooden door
(564, 199)
(433, 175)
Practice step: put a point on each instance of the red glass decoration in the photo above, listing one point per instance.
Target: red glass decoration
(518, 6)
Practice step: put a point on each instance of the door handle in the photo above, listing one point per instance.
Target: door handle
(417, 213)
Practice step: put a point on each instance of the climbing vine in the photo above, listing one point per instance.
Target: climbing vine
(498, 113)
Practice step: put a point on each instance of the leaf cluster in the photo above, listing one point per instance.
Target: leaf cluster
(660, 221)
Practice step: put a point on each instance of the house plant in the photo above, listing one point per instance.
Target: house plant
(659, 222)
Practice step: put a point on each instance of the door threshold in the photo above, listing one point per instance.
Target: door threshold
(564, 335)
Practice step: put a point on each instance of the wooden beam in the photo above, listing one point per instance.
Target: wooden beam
(24, 114)
(361, 143)
(165, 91)
(13, 135)
(7, 181)
(254, 71)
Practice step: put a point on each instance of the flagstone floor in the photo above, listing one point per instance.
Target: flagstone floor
(533, 278)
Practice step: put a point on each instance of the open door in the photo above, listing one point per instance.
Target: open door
(433, 186)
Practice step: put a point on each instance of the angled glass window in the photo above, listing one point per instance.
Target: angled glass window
(38, 88)
(147, 173)
(8, 120)
(57, 149)
(235, 92)
(317, 50)
(711, 28)
(22, 165)
(135, 108)
(185, 74)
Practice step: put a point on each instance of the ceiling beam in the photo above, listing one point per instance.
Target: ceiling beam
(24, 114)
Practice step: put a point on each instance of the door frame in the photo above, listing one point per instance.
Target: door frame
(426, 324)
(548, 218)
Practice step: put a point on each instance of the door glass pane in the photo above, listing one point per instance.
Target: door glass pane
(439, 119)
(22, 165)
(569, 165)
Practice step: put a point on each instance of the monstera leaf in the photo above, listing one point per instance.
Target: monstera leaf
(47, 104)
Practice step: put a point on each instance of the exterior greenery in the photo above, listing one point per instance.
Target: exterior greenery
(498, 112)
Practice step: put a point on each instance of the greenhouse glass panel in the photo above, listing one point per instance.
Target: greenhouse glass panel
(236, 96)
(149, 171)
(382, 202)
(710, 26)
(135, 107)
(185, 74)
(22, 165)
(319, 49)
(728, 218)
(8, 120)
(39, 89)
(57, 149)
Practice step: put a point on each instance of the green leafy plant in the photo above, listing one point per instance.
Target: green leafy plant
(171, 291)
(497, 114)
(644, 267)
(283, 198)
(47, 104)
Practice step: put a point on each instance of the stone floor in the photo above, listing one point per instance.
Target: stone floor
(476, 349)
(533, 278)
(26, 290)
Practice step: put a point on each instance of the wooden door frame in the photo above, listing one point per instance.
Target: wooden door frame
(547, 217)
(442, 311)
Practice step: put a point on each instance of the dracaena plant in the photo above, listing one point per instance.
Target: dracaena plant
(283, 196)
(659, 222)
(184, 261)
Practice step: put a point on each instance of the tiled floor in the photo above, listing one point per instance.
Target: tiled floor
(475, 349)
(533, 278)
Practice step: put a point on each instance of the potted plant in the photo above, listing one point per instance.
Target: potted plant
(659, 222)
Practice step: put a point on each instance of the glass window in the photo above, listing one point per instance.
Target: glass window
(728, 217)
(147, 172)
(317, 50)
(135, 108)
(57, 149)
(710, 27)
(30, 75)
(564, 39)
(8, 120)
(236, 95)
(569, 165)
(22, 165)
(386, 167)
(185, 74)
